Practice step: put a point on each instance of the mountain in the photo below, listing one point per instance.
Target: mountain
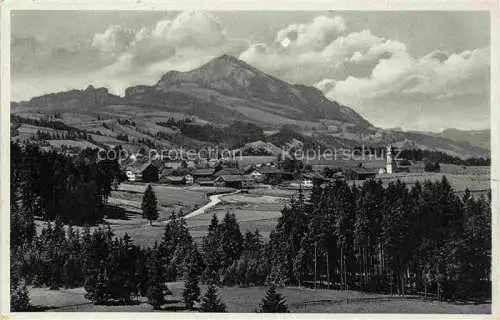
(476, 138)
(69, 101)
(229, 89)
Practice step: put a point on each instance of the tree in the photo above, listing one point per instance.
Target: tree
(273, 302)
(432, 166)
(212, 253)
(19, 298)
(191, 293)
(149, 205)
(157, 289)
(211, 302)
(231, 239)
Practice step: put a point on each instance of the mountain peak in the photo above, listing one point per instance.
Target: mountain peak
(227, 60)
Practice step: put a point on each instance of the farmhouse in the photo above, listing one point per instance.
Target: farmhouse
(177, 180)
(205, 182)
(360, 173)
(267, 173)
(203, 173)
(147, 172)
(235, 181)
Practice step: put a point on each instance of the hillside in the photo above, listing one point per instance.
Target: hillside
(477, 138)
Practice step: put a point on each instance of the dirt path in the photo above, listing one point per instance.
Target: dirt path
(214, 200)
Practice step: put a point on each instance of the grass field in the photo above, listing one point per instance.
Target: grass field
(248, 299)
(252, 212)
(169, 197)
(477, 183)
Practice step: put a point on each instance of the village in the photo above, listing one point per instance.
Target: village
(240, 173)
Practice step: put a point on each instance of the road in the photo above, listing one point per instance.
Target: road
(214, 200)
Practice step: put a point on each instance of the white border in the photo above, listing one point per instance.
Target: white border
(226, 5)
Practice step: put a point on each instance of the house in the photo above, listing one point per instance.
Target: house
(132, 174)
(360, 173)
(202, 173)
(227, 172)
(302, 184)
(175, 180)
(175, 164)
(235, 181)
(205, 182)
(269, 173)
(149, 172)
(189, 179)
(146, 172)
(315, 177)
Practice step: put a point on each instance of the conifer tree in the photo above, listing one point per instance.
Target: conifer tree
(212, 253)
(191, 293)
(273, 302)
(231, 239)
(157, 289)
(149, 205)
(19, 297)
(211, 302)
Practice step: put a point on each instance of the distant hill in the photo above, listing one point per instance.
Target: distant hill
(477, 138)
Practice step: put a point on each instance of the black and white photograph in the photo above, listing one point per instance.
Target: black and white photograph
(249, 161)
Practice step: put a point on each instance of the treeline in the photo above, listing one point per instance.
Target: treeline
(70, 135)
(421, 240)
(50, 185)
(56, 125)
(287, 133)
(440, 157)
(428, 156)
(174, 124)
(235, 135)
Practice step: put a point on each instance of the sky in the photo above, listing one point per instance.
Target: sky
(415, 70)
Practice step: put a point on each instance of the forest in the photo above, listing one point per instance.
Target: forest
(424, 240)
(49, 185)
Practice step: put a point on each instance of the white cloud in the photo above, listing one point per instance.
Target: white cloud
(114, 40)
(309, 53)
(410, 90)
(190, 39)
(314, 36)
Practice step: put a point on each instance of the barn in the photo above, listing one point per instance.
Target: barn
(235, 181)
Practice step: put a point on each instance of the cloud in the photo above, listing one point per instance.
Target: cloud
(308, 53)
(113, 41)
(436, 74)
(408, 89)
(314, 36)
(31, 55)
(192, 38)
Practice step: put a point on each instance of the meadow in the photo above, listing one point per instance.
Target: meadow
(239, 299)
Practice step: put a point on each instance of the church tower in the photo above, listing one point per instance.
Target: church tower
(388, 163)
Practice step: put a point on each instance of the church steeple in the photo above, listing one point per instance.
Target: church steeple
(388, 164)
